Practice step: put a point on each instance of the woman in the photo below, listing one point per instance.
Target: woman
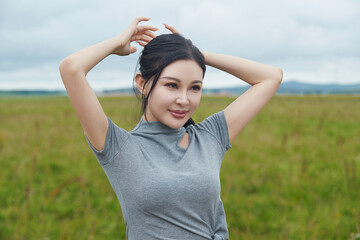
(165, 172)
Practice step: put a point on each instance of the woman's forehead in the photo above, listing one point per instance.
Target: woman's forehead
(183, 69)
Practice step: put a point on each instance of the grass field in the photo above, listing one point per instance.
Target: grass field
(293, 173)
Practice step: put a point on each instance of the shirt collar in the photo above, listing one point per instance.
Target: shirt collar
(156, 127)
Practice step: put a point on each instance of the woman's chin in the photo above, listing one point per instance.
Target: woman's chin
(176, 122)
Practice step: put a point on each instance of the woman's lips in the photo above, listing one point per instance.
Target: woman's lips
(178, 114)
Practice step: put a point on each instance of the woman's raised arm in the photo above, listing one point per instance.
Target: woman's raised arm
(74, 68)
(265, 81)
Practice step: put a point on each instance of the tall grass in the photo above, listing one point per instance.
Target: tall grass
(293, 172)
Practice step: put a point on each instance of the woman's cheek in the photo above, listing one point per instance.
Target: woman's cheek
(196, 97)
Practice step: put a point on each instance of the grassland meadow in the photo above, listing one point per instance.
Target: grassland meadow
(293, 172)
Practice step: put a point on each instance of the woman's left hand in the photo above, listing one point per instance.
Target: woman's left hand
(171, 28)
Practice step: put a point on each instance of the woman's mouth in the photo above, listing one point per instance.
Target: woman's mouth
(178, 113)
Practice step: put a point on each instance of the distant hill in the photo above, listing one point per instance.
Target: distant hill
(31, 92)
(289, 87)
(295, 87)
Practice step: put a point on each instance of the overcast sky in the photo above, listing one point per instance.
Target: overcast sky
(312, 41)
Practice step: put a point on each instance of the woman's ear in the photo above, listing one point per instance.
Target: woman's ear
(140, 82)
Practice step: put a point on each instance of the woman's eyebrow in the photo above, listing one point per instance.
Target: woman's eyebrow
(178, 80)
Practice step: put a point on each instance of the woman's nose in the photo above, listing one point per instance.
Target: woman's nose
(182, 99)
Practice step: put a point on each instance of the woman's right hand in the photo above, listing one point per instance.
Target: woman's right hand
(140, 34)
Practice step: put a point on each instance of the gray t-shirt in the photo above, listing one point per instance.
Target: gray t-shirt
(166, 191)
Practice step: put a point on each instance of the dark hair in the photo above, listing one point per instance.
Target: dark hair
(160, 52)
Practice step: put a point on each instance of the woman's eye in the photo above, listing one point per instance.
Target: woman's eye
(196, 88)
(171, 85)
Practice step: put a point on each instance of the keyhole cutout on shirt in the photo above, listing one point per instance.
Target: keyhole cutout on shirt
(184, 142)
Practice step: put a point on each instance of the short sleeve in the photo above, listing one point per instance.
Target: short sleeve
(216, 124)
(115, 138)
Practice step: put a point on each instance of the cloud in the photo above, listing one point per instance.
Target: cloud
(336, 70)
(304, 38)
(282, 29)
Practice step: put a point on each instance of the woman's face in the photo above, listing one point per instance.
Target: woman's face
(176, 94)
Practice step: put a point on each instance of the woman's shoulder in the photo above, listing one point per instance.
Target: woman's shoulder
(115, 139)
(216, 126)
(115, 127)
(212, 122)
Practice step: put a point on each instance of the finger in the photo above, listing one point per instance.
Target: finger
(150, 34)
(142, 38)
(171, 28)
(137, 20)
(145, 38)
(143, 28)
(133, 49)
(133, 26)
(141, 43)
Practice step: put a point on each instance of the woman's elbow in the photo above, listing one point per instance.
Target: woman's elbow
(278, 75)
(67, 66)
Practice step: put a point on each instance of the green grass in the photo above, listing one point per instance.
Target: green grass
(293, 172)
